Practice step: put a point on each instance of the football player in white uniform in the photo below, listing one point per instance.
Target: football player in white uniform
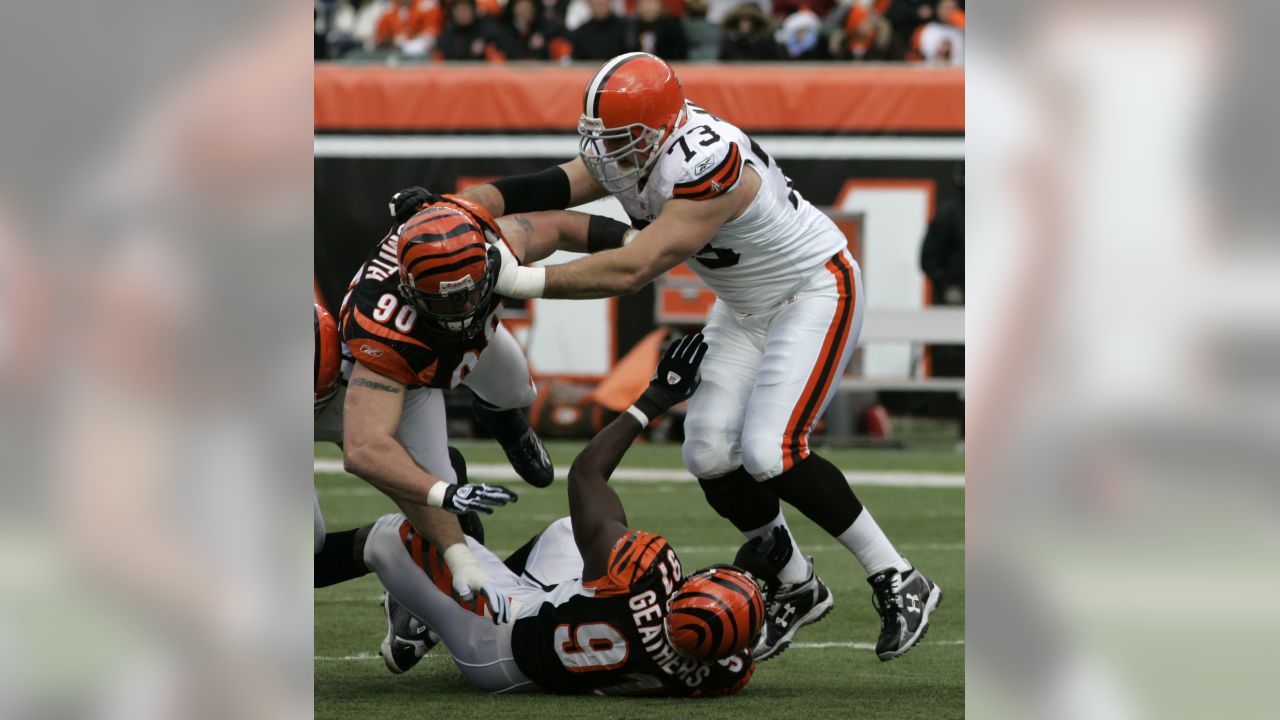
(785, 324)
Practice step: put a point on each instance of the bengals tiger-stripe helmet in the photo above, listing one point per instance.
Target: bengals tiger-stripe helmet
(446, 270)
(630, 108)
(717, 612)
(328, 356)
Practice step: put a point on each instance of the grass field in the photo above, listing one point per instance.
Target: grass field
(829, 672)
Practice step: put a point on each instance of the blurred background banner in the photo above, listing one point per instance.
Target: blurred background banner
(1123, 367)
(155, 235)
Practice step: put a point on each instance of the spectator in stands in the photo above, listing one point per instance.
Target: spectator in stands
(410, 26)
(654, 31)
(530, 35)
(354, 24)
(783, 9)
(940, 42)
(747, 35)
(905, 16)
(858, 32)
(718, 10)
(603, 36)
(801, 37)
(469, 36)
(703, 35)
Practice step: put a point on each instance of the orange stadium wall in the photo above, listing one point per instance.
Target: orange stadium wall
(883, 141)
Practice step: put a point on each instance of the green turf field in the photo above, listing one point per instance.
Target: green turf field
(829, 671)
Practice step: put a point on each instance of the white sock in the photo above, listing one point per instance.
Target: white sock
(868, 543)
(797, 568)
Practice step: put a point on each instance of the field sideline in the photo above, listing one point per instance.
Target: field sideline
(829, 672)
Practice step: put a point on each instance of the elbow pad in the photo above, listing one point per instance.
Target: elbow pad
(544, 190)
(605, 233)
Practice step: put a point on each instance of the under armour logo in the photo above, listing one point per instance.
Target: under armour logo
(913, 603)
(784, 617)
(673, 378)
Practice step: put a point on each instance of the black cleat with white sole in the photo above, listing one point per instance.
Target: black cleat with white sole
(408, 638)
(904, 601)
(789, 608)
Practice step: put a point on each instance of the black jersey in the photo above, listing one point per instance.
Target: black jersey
(608, 638)
(384, 333)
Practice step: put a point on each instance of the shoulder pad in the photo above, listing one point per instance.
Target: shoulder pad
(714, 171)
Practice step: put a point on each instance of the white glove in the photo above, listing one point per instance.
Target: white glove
(469, 578)
(515, 281)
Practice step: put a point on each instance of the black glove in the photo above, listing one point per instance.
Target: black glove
(677, 376)
(480, 498)
(764, 557)
(409, 201)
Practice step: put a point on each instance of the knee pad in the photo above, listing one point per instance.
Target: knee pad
(762, 456)
(383, 541)
(708, 450)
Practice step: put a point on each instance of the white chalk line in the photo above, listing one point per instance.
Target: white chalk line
(364, 657)
(504, 473)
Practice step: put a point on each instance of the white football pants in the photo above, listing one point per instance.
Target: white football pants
(768, 377)
(416, 575)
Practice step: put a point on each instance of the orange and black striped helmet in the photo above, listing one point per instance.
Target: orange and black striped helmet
(446, 270)
(328, 356)
(716, 613)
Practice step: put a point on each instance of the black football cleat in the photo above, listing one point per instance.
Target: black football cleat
(530, 459)
(524, 450)
(408, 638)
(904, 601)
(789, 608)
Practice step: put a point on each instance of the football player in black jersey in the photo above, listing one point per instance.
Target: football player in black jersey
(596, 606)
(420, 317)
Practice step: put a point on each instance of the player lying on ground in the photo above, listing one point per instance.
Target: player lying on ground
(784, 325)
(591, 605)
(421, 316)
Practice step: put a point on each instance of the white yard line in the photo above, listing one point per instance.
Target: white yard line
(504, 473)
(361, 657)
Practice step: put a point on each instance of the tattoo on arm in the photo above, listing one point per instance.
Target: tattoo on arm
(375, 385)
(525, 224)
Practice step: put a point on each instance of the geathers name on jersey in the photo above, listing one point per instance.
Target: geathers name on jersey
(606, 636)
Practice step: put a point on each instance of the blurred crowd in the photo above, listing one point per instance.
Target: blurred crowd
(930, 31)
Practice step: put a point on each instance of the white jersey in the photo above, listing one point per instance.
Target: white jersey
(757, 260)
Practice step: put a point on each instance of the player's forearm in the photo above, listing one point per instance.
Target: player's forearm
(598, 460)
(384, 463)
(593, 505)
(488, 196)
(436, 526)
(605, 275)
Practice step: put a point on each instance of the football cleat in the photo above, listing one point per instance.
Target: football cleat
(530, 459)
(904, 602)
(408, 638)
(789, 608)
